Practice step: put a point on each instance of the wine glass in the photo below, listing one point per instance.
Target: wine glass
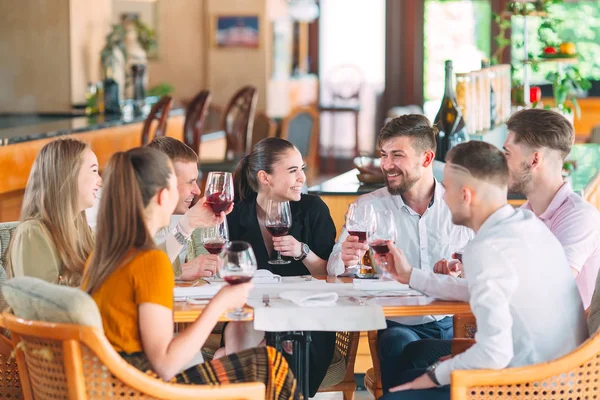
(237, 264)
(219, 191)
(358, 221)
(383, 228)
(278, 222)
(215, 237)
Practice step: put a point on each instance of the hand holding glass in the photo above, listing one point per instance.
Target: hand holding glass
(358, 221)
(237, 264)
(278, 222)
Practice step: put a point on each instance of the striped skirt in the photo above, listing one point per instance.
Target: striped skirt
(260, 364)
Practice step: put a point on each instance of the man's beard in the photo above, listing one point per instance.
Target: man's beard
(521, 180)
(404, 186)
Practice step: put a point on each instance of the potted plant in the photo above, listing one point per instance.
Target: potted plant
(566, 86)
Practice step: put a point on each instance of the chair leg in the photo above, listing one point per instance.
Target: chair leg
(349, 395)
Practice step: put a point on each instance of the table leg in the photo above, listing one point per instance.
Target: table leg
(300, 358)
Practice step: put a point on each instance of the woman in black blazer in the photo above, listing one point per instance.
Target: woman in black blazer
(274, 170)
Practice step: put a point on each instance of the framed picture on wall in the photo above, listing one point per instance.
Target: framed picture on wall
(236, 31)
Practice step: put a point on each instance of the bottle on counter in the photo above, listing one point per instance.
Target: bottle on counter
(485, 65)
(112, 103)
(100, 97)
(91, 100)
(449, 119)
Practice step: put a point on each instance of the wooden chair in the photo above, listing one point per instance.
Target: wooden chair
(346, 344)
(573, 376)
(238, 121)
(159, 112)
(264, 127)
(77, 362)
(195, 117)
(464, 328)
(301, 127)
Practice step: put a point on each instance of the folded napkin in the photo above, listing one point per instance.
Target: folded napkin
(310, 299)
(265, 276)
(204, 291)
(379, 284)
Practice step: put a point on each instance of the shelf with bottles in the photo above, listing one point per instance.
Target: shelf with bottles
(560, 60)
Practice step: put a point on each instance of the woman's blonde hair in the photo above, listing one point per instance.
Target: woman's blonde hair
(131, 180)
(51, 197)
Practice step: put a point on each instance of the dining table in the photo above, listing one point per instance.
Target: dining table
(392, 305)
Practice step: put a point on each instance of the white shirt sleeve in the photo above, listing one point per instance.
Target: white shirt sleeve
(335, 266)
(491, 281)
(444, 287)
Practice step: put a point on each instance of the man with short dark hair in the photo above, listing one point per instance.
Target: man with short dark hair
(537, 144)
(516, 278)
(423, 221)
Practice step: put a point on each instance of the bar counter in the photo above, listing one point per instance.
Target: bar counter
(344, 189)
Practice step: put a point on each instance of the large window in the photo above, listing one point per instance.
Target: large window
(457, 30)
(577, 22)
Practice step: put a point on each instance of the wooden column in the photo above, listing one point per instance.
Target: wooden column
(404, 53)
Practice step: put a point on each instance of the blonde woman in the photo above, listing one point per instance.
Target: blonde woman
(138, 199)
(53, 240)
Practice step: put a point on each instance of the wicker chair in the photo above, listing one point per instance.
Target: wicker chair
(346, 344)
(77, 362)
(464, 332)
(574, 376)
(10, 385)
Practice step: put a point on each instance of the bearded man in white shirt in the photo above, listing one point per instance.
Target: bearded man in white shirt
(423, 222)
(516, 278)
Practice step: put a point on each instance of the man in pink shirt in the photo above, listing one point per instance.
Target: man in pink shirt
(535, 148)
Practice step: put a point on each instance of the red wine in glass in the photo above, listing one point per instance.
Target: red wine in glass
(278, 231)
(362, 236)
(237, 279)
(219, 202)
(459, 255)
(214, 247)
(380, 247)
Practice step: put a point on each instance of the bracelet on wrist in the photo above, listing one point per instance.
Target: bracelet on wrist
(180, 236)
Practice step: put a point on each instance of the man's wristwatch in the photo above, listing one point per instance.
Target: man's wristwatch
(305, 251)
(179, 236)
(430, 371)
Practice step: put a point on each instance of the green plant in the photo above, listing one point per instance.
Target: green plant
(162, 89)
(116, 39)
(565, 87)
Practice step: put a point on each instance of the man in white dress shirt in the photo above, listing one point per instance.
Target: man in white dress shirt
(516, 278)
(537, 144)
(423, 223)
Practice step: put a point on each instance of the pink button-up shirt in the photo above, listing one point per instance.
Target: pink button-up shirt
(576, 224)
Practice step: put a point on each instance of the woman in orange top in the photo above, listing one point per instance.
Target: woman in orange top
(132, 283)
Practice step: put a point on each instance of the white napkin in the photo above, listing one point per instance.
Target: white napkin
(265, 276)
(380, 284)
(204, 291)
(310, 298)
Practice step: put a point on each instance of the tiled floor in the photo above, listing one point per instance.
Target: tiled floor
(361, 395)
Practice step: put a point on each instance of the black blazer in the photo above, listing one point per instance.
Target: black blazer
(311, 224)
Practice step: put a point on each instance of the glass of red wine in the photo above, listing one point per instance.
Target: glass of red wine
(383, 228)
(215, 237)
(237, 264)
(278, 222)
(219, 191)
(358, 220)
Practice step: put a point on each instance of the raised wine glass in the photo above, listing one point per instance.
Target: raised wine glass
(237, 264)
(383, 228)
(219, 191)
(358, 221)
(278, 222)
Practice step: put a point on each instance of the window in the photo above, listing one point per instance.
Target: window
(457, 30)
(577, 22)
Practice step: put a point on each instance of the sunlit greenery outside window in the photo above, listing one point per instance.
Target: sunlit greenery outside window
(577, 22)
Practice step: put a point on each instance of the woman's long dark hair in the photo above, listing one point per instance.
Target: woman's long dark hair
(262, 158)
(132, 178)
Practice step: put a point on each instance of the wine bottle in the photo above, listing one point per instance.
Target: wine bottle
(449, 119)
(485, 64)
(112, 103)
